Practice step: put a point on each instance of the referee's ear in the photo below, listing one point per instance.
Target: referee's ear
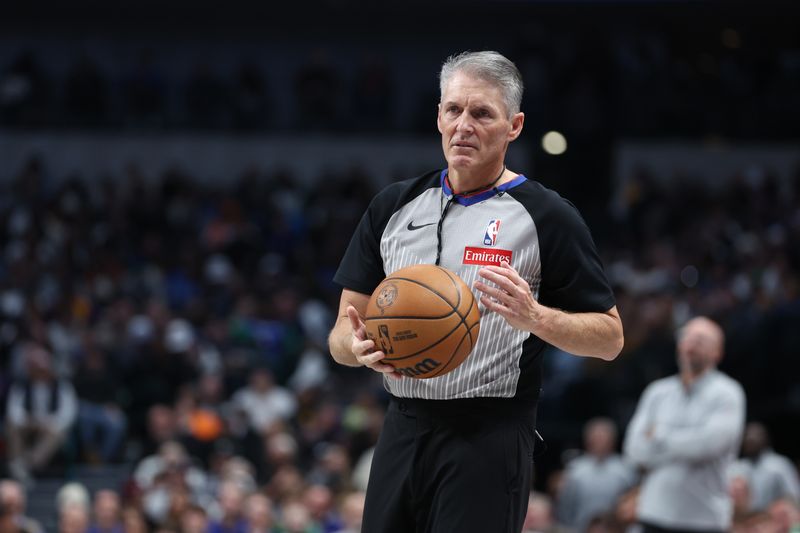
(517, 122)
(439, 117)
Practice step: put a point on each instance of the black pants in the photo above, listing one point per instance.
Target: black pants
(451, 466)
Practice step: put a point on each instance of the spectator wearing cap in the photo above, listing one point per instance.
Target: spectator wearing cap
(40, 411)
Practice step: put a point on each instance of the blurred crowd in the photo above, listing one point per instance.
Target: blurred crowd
(587, 79)
(595, 492)
(147, 95)
(179, 328)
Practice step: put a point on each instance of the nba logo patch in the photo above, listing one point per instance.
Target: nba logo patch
(492, 228)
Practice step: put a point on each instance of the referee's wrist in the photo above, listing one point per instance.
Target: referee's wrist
(540, 319)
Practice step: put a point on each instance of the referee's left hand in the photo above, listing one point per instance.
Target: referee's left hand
(510, 296)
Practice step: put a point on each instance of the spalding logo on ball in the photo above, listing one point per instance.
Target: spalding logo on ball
(425, 319)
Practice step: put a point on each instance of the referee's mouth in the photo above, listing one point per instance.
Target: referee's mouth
(461, 144)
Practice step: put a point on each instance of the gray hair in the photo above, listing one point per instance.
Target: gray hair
(488, 66)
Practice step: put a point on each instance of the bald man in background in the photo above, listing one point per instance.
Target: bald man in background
(686, 433)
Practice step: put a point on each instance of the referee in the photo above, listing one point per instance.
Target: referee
(455, 453)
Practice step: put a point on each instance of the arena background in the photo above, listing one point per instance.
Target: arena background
(179, 181)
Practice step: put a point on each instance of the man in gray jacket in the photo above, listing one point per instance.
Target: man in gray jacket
(686, 433)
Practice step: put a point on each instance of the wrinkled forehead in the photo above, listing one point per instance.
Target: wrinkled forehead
(464, 84)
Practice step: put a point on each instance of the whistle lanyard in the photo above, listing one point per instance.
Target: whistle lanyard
(447, 205)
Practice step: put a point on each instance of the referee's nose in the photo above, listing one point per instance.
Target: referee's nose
(465, 124)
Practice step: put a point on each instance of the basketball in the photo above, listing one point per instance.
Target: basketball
(425, 319)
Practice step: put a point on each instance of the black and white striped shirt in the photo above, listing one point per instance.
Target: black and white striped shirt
(542, 235)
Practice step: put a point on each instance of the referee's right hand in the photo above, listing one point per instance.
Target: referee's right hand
(364, 348)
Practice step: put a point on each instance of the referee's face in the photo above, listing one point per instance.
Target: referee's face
(475, 125)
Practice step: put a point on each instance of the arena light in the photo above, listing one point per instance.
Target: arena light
(554, 143)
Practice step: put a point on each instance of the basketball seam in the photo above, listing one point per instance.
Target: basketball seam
(471, 342)
(434, 291)
(438, 372)
(472, 303)
(472, 347)
(457, 287)
(394, 317)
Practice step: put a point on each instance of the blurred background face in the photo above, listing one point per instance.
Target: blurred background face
(231, 499)
(12, 497)
(73, 519)
(39, 362)
(133, 521)
(353, 510)
(106, 509)
(755, 439)
(318, 500)
(600, 437)
(296, 517)
(161, 424)
(258, 512)
(261, 380)
(700, 345)
(193, 520)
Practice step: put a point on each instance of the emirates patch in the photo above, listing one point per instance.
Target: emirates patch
(485, 256)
